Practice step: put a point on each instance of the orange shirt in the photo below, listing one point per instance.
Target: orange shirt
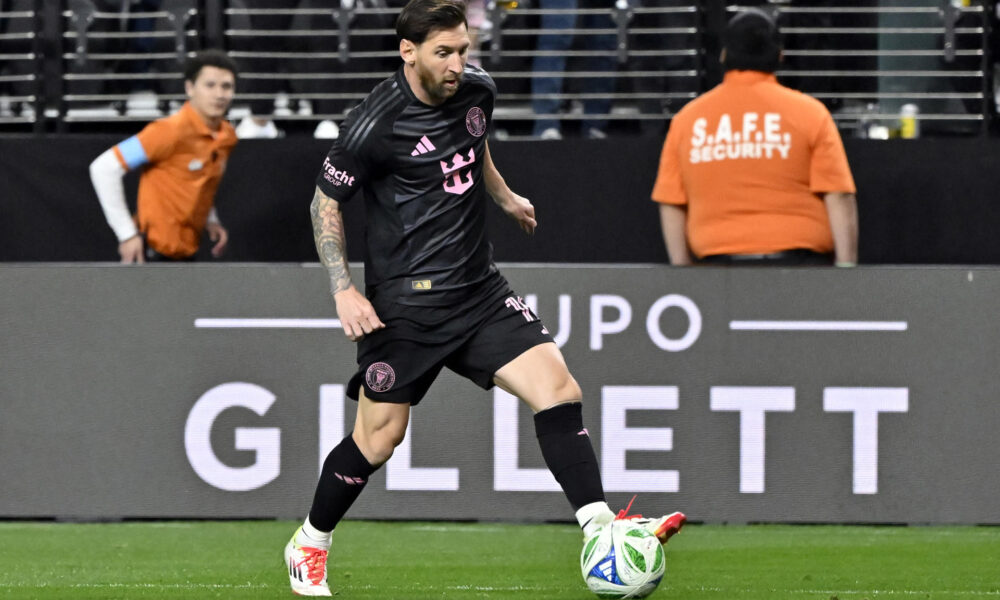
(185, 161)
(750, 159)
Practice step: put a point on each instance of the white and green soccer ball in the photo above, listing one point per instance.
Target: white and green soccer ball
(623, 560)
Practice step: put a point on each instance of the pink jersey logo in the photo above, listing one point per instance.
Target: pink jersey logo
(380, 377)
(454, 183)
(475, 121)
(336, 176)
(423, 147)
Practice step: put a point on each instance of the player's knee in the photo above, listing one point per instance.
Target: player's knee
(392, 436)
(570, 390)
(564, 389)
(378, 444)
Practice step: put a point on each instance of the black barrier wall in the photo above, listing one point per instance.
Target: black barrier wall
(928, 201)
(788, 395)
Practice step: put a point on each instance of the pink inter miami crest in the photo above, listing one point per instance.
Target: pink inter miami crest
(475, 121)
(380, 377)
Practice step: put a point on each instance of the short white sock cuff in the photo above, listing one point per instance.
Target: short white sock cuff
(594, 515)
(314, 537)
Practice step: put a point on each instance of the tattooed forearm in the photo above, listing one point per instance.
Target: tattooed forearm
(328, 230)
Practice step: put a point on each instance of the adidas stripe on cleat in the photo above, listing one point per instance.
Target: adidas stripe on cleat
(306, 568)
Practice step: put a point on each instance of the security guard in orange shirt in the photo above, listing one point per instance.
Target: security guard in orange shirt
(183, 157)
(753, 172)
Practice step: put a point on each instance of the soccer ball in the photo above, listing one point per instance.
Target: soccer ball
(623, 560)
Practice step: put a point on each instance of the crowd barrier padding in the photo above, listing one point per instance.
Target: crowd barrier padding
(925, 201)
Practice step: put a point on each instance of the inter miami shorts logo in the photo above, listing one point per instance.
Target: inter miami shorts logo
(380, 377)
(475, 121)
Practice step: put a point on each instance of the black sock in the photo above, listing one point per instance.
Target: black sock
(345, 473)
(568, 453)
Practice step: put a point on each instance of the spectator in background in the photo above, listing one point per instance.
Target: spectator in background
(667, 55)
(184, 156)
(311, 57)
(366, 16)
(142, 43)
(17, 34)
(260, 122)
(136, 35)
(753, 172)
(547, 79)
(479, 29)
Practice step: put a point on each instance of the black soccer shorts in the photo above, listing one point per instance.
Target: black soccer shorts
(474, 338)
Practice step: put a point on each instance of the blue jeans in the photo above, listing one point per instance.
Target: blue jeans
(559, 43)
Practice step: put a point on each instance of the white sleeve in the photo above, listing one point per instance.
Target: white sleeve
(213, 217)
(106, 174)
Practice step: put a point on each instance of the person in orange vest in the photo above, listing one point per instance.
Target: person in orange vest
(753, 172)
(183, 157)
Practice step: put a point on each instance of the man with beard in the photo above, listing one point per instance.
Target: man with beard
(417, 149)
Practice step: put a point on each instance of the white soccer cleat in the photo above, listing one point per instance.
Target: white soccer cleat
(663, 527)
(306, 568)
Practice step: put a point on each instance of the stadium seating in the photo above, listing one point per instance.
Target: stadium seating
(105, 69)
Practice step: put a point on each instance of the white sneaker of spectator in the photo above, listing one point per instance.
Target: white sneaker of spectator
(326, 130)
(250, 128)
(550, 134)
(142, 104)
(596, 134)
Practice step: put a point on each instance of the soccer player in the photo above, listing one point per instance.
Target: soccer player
(416, 149)
(183, 157)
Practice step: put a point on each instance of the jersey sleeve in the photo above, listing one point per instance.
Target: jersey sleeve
(154, 143)
(669, 186)
(344, 168)
(829, 171)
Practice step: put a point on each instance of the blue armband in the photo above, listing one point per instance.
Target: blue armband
(133, 153)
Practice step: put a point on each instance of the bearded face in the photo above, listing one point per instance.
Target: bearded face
(437, 64)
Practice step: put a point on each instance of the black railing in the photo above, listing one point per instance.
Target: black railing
(77, 65)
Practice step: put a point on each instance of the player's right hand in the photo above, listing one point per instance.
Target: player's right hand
(131, 250)
(521, 210)
(356, 313)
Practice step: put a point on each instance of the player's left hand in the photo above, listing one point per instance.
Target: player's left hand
(218, 234)
(521, 210)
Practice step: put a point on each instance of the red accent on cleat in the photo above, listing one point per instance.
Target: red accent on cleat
(663, 528)
(671, 524)
(623, 513)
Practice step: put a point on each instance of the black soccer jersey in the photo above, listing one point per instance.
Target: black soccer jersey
(420, 169)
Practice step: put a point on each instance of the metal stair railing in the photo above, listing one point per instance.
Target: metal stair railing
(865, 62)
(20, 55)
(107, 57)
(868, 62)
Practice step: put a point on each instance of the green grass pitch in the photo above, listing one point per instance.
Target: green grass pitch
(414, 560)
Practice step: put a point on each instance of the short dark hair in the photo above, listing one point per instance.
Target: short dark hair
(752, 42)
(420, 17)
(208, 58)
